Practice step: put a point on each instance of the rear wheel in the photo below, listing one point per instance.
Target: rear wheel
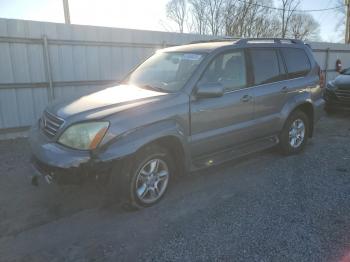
(295, 133)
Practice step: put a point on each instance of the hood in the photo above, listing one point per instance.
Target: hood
(342, 81)
(108, 101)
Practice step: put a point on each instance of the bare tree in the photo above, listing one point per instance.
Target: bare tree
(231, 17)
(176, 10)
(238, 17)
(214, 16)
(341, 24)
(267, 26)
(288, 8)
(199, 15)
(246, 11)
(256, 20)
(251, 18)
(248, 18)
(303, 26)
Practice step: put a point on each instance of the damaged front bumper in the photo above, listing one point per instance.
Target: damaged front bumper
(53, 174)
(56, 163)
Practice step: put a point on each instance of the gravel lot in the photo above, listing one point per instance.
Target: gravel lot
(265, 207)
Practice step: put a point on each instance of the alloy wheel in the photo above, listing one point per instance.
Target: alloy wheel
(296, 133)
(152, 181)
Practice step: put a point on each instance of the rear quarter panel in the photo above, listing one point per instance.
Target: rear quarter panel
(304, 90)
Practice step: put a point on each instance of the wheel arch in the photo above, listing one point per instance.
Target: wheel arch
(168, 134)
(308, 109)
(175, 147)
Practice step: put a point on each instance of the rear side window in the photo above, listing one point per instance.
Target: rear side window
(266, 66)
(297, 62)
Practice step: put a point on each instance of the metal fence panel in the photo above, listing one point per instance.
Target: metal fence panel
(82, 59)
(5, 68)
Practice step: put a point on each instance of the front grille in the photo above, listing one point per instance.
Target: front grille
(50, 124)
(343, 94)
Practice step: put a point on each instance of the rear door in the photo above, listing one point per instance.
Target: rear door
(219, 123)
(270, 89)
(279, 75)
(298, 66)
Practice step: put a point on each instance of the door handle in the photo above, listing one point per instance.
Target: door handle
(285, 89)
(246, 98)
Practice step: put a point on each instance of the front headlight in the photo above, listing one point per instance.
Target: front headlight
(84, 136)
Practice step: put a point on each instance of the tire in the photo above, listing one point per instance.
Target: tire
(137, 177)
(295, 133)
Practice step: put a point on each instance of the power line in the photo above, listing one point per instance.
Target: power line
(296, 10)
(325, 13)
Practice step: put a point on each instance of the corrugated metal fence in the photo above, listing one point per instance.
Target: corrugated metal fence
(40, 62)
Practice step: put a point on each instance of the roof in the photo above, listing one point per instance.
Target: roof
(204, 47)
(207, 46)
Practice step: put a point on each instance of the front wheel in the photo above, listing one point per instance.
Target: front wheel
(295, 133)
(147, 178)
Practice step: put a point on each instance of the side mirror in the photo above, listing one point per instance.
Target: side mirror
(210, 90)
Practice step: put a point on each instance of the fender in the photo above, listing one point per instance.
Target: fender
(130, 142)
(292, 104)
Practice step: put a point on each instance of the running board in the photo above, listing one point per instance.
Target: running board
(234, 152)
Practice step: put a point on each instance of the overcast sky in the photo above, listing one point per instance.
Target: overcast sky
(137, 14)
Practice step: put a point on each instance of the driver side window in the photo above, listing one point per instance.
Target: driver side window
(228, 69)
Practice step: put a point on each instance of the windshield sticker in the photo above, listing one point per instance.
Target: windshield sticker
(193, 57)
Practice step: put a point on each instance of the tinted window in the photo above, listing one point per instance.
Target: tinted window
(297, 62)
(227, 69)
(265, 66)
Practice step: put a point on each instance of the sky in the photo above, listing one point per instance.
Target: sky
(137, 14)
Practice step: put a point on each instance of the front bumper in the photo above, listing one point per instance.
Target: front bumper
(62, 165)
(54, 174)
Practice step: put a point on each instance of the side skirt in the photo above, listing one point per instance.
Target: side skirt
(234, 152)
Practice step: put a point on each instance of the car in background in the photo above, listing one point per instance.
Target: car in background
(185, 108)
(337, 92)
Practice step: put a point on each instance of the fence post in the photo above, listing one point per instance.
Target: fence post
(326, 65)
(48, 72)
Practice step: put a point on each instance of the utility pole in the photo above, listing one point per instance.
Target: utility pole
(66, 11)
(347, 31)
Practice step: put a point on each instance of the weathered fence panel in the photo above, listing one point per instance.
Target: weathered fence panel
(42, 61)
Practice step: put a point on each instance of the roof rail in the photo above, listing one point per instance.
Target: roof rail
(223, 39)
(250, 40)
(275, 40)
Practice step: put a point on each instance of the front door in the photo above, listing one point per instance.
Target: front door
(219, 123)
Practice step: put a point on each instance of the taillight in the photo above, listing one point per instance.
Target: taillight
(322, 78)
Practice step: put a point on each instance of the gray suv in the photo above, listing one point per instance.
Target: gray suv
(185, 108)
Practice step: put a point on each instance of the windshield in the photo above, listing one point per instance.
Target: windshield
(167, 72)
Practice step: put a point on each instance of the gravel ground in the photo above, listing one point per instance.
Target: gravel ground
(265, 207)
